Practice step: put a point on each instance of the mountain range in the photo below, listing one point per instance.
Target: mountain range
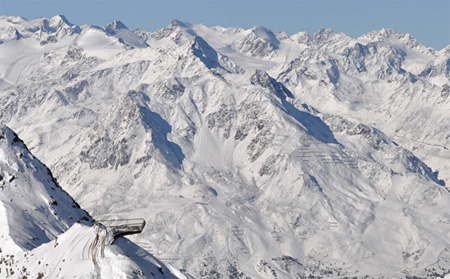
(250, 153)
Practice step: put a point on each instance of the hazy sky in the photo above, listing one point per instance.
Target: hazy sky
(427, 20)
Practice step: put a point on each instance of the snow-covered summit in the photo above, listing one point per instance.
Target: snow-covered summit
(388, 35)
(325, 39)
(116, 24)
(125, 35)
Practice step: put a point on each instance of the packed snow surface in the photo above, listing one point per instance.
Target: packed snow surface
(250, 153)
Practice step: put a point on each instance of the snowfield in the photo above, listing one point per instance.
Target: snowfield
(250, 153)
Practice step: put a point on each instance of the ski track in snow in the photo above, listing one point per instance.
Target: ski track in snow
(19, 69)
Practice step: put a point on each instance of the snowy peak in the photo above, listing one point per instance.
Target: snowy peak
(57, 26)
(60, 27)
(177, 32)
(321, 36)
(259, 42)
(211, 58)
(59, 21)
(266, 35)
(323, 39)
(125, 35)
(116, 24)
(178, 23)
(105, 43)
(32, 202)
(390, 35)
(43, 29)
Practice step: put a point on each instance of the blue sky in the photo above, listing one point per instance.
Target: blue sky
(427, 20)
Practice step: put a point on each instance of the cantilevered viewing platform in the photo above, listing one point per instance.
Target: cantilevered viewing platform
(120, 228)
(107, 231)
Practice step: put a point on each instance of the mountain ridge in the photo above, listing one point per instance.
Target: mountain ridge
(45, 233)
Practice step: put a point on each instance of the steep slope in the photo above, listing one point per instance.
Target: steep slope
(69, 256)
(251, 153)
(34, 207)
(44, 232)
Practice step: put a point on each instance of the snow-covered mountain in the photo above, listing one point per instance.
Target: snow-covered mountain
(34, 207)
(251, 154)
(45, 233)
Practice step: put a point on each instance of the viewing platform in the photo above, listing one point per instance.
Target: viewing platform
(120, 228)
(108, 231)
